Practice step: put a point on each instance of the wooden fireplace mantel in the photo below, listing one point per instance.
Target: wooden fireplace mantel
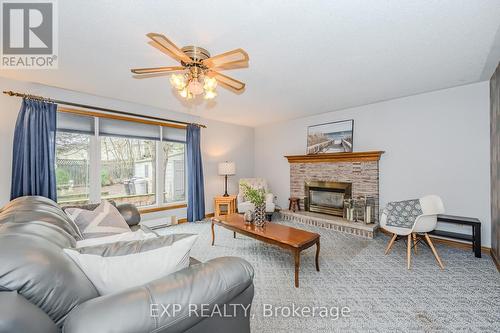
(336, 157)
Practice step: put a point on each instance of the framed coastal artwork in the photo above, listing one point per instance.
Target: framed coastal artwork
(333, 137)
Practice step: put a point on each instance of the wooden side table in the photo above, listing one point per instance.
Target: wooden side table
(224, 205)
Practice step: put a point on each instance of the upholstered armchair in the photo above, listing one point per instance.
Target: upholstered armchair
(244, 205)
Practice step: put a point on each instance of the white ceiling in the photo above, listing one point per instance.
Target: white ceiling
(306, 57)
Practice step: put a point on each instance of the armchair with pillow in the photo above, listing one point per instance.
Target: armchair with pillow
(51, 293)
(245, 205)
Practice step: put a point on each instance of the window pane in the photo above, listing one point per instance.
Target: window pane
(174, 168)
(72, 167)
(128, 170)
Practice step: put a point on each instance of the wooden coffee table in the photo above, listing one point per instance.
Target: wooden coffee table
(285, 237)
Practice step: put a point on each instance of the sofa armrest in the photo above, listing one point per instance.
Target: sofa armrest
(130, 213)
(17, 314)
(167, 304)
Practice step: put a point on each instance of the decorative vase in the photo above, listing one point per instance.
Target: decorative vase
(259, 218)
(248, 216)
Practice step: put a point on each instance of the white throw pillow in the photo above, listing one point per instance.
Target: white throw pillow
(121, 265)
(104, 220)
(126, 236)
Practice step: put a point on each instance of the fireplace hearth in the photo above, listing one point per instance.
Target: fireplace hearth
(326, 197)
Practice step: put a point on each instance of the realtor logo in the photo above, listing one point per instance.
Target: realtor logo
(29, 31)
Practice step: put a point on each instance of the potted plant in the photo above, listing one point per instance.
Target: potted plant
(257, 196)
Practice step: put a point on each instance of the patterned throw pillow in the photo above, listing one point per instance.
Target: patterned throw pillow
(105, 220)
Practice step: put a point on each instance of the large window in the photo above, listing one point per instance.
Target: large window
(174, 167)
(125, 161)
(128, 170)
(72, 167)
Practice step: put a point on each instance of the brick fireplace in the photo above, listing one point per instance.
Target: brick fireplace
(359, 170)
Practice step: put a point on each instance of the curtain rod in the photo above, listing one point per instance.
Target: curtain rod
(16, 94)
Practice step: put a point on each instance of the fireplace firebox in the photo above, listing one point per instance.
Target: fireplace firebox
(326, 197)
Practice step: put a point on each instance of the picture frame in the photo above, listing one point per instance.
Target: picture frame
(332, 137)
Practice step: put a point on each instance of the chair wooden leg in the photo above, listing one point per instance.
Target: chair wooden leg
(428, 239)
(408, 251)
(391, 242)
(414, 235)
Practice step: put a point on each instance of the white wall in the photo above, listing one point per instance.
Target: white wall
(436, 142)
(220, 141)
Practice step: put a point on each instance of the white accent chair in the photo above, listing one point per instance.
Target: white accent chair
(431, 205)
(244, 205)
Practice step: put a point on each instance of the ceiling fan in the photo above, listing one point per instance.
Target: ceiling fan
(198, 72)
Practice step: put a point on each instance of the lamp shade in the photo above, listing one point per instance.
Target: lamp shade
(227, 168)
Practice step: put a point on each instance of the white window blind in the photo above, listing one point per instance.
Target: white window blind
(68, 122)
(129, 129)
(174, 134)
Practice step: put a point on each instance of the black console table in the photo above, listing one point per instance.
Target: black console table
(475, 224)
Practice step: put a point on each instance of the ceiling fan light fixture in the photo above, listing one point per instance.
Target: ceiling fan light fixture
(210, 83)
(210, 94)
(178, 81)
(194, 83)
(184, 93)
(198, 73)
(195, 87)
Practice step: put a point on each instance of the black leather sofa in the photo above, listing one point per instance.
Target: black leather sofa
(43, 290)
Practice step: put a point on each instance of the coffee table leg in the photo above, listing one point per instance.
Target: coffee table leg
(213, 234)
(317, 255)
(296, 255)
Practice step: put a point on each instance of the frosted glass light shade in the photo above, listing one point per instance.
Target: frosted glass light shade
(227, 168)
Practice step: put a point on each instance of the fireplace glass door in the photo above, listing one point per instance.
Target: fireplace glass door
(327, 197)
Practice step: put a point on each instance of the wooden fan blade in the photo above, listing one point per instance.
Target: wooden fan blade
(227, 59)
(170, 48)
(156, 70)
(227, 82)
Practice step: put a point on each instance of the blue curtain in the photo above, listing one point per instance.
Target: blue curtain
(33, 164)
(196, 192)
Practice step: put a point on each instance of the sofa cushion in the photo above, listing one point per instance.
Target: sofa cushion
(104, 220)
(126, 236)
(121, 265)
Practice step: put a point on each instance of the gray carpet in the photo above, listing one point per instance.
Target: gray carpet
(382, 295)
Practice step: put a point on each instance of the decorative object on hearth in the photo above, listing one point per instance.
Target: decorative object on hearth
(199, 73)
(359, 209)
(257, 196)
(368, 210)
(248, 217)
(226, 169)
(335, 137)
(349, 209)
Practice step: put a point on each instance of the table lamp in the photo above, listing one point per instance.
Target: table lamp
(226, 169)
